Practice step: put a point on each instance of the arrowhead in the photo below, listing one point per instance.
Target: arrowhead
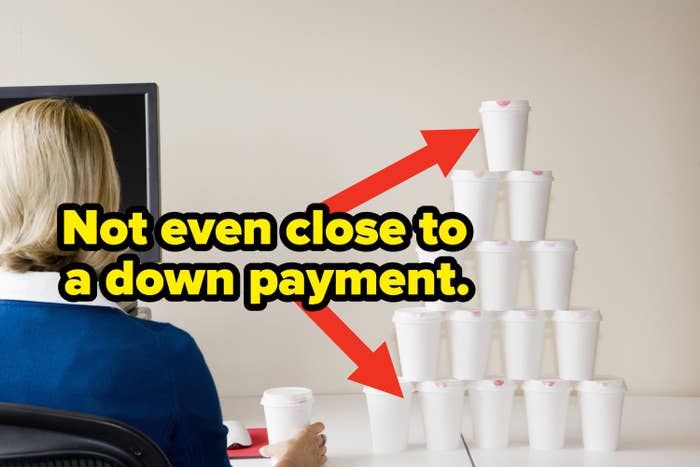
(447, 146)
(377, 371)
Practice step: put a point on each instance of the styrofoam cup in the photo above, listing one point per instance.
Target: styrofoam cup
(430, 257)
(505, 133)
(389, 417)
(546, 405)
(287, 412)
(498, 271)
(469, 342)
(490, 402)
(522, 337)
(601, 402)
(442, 403)
(551, 270)
(576, 336)
(528, 203)
(418, 339)
(475, 193)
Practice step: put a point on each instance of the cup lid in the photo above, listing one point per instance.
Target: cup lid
(504, 105)
(475, 175)
(577, 315)
(407, 387)
(497, 246)
(546, 385)
(553, 245)
(441, 385)
(524, 315)
(528, 175)
(492, 384)
(286, 396)
(605, 384)
(454, 254)
(470, 315)
(416, 315)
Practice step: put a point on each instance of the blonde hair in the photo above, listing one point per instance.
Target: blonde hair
(52, 151)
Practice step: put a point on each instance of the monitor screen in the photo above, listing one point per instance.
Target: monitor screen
(129, 114)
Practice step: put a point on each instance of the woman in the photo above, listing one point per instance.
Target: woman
(94, 358)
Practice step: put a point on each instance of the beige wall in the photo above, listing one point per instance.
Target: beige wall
(271, 106)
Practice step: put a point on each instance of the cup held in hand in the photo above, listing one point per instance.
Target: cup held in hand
(287, 412)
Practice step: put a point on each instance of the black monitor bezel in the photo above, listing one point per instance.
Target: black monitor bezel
(150, 93)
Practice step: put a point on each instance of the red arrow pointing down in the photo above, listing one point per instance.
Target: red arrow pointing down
(444, 148)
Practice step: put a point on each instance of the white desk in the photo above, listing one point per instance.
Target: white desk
(656, 431)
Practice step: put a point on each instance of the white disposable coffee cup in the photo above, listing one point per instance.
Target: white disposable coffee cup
(601, 402)
(491, 401)
(528, 203)
(469, 342)
(522, 337)
(287, 412)
(442, 403)
(576, 336)
(389, 417)
(498, 271)
(430, 257)
(505, 132)
(418, 339)
(546, 405)
(475, 195)
(551, 270)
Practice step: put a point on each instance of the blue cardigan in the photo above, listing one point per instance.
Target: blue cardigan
(99, 360)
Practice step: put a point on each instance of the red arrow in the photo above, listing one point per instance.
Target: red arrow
(374, 369)
(444, 148)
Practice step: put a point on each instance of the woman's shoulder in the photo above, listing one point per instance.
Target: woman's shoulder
(167, 334)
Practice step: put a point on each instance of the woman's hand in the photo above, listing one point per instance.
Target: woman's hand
(308, 449)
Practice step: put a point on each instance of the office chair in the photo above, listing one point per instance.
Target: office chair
(40, 437)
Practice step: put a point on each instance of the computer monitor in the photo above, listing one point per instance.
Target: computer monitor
(129, 113)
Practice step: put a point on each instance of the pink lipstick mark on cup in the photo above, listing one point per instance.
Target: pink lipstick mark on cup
(479, 173)
(476, 313)
(502, 243)
(549, 384)
(604, 384)
(441, 384)
(503, 102)
(550, 243)
(537, 172)
(498, 382)
(531, 314)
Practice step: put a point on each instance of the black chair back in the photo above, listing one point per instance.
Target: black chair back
(40, 437)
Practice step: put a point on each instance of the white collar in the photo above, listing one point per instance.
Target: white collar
(42, 287)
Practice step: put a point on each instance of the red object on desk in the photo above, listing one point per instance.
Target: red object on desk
(259, 438)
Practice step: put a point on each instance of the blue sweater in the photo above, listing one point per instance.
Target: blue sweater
(99, 360)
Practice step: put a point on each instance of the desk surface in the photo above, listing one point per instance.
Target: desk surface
(656, 431)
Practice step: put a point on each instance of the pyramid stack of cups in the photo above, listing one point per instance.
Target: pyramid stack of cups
(469, 329)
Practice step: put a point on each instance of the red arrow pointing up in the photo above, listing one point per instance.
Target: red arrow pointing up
(444, 148)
